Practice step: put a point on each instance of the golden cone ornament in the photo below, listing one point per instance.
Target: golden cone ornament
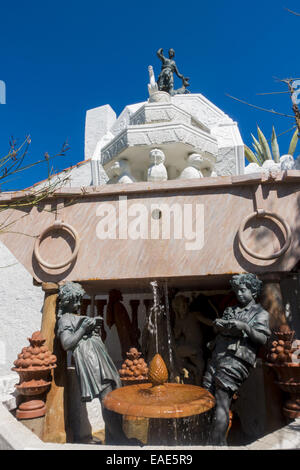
(158, 372)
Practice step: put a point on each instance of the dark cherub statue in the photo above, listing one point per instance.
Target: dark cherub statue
(165, 80)
(95, 369)
(240, 332)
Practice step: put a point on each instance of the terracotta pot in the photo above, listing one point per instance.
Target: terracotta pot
(288, 375)
(134, 369)
(285, 336)
(289, 387)
(128, 381)
(33, 373)
(33, 390)
(31, 409)
(286, 372)
(34, 365)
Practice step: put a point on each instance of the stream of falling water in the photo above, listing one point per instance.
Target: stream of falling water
(154, 309)
(171, 362)
(167, 311)
(159, 308)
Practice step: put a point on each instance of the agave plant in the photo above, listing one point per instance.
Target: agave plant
(262, 150)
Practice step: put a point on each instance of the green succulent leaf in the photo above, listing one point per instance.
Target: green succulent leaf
(258, 154)
(256, 142)
(275, 147)
(251, 157)
(264, 145)
(293, 143)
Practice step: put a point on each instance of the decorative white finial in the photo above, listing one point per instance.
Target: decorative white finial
(152, 86)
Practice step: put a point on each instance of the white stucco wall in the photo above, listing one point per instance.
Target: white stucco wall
(20, 308)
(77, 176)
(20, 315)
(80, 175)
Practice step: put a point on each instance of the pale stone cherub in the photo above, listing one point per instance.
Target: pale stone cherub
(120, 172)
(189, 339)
(157, 170)
(194, 167)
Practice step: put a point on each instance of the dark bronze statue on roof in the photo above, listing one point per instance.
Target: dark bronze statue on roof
(166, 80)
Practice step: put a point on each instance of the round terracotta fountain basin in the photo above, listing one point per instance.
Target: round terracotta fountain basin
(170, 400)
(162, 413)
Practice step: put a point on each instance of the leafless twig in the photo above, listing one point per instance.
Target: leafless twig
(260, 108)
(293, 12)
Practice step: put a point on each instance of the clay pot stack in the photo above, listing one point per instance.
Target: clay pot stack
(281, 347)
(33, 365)
(134, 369)
(282, 357)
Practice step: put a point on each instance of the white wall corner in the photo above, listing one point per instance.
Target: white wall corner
(99, 176)
(239, 148)
(98, 121)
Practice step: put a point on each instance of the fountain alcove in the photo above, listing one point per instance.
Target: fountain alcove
(237, 223)
(105, 264)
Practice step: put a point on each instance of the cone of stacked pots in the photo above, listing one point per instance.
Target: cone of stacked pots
(134, 370)
(284, 358)
(34, 365)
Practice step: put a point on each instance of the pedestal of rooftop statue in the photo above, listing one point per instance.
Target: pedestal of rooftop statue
(160, 413)
(160, 97)
(178, 125)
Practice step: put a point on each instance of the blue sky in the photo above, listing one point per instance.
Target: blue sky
(60, 58)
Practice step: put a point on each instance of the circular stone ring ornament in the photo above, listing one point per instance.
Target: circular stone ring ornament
(57, 225)
(263, 213)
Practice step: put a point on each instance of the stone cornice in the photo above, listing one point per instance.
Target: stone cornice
(283, 177)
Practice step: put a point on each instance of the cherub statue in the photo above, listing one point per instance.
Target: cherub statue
(240, 332)
(95, 369)
(120, 172)
(165, 80)
(198, 166)
(157, 170)
(193, 168)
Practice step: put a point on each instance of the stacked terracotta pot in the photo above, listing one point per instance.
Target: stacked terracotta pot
(281, 349)
(33, 365)
(284, 358)
(134, 369)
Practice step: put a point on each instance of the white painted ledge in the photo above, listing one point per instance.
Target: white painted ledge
(15, 436)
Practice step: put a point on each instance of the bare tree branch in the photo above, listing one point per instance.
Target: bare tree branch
(258, 107)
(273, 93)
(12, 163)
(293, 12)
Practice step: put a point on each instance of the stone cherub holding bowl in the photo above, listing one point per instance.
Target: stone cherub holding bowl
(95, 369)
(240, 332)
